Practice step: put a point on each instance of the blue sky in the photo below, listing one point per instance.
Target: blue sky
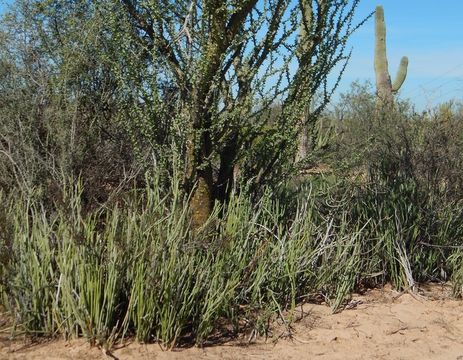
(3, 4)
(430, 33)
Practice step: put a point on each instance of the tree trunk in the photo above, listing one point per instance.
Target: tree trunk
(199, 178)
(226, 175)
(201, 201)
(303, 144)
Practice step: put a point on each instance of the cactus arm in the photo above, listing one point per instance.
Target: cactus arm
(401, 75)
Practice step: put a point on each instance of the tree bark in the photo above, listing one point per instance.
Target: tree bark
(226, 174)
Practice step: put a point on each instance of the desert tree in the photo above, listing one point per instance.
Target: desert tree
(240, 76)
(213, 89)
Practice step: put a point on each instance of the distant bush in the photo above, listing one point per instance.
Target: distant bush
(408, 165)
(400, 145)
(58, 107)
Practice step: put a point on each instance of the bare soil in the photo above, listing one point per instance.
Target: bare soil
(380, 324)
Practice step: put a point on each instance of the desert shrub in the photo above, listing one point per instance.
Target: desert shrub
(405, 165)
(399, 145)
(135, 268)
(57, 106)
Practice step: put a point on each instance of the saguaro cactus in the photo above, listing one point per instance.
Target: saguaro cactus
(384, 87)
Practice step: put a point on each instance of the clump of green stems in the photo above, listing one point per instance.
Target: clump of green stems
(133, 268)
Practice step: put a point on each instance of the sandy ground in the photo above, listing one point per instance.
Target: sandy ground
(380, 324)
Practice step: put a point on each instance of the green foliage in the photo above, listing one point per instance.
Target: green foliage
(114, 255)
(135, 268)
(405, 164)
(57, 103)
(112, 86)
